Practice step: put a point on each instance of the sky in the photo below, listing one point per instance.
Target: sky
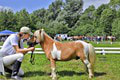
(32, 5)
(96, 3)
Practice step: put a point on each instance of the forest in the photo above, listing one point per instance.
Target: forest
(67, 17)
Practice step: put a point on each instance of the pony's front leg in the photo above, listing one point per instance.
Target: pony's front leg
(53, 68)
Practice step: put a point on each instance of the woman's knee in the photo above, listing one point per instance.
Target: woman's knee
(21, 56)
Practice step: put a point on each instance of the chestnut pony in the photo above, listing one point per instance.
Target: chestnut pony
(57, 51)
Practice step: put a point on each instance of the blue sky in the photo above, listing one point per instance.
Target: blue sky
(31, 5)
(96, 3)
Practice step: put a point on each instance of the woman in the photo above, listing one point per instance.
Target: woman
(12, 52)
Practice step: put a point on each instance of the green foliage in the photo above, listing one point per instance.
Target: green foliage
(83, 30)
(73, 10)
(57, 27)
(54, 9)
(67, 17)
(106, 20)
(23, 19)
(7, 20)
(114, 2)
(116, 28)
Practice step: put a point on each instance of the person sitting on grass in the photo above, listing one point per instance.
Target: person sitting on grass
(12, 52)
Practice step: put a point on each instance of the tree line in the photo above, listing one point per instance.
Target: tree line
(67, 17)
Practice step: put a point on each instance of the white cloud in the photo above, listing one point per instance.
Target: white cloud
(5, 8)
(96, 3)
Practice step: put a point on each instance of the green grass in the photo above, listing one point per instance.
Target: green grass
(101, 44)
(107, 68)
(106, 44)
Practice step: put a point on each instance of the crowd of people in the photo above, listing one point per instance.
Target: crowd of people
(3, 38)
(88, 38)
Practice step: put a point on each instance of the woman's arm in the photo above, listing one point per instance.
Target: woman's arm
(24, 51)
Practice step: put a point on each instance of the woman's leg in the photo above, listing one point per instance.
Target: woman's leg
(10, 59)
(10, 68)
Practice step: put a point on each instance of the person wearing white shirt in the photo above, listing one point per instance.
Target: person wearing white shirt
(13, 52)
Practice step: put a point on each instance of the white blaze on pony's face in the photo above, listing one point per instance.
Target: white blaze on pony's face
(39, 36)
(36, 36)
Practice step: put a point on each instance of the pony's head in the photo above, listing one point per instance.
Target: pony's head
(39, 35)
(31, 42)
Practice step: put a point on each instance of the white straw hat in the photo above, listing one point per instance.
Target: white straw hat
(26, 30)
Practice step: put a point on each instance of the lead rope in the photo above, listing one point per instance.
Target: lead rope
(32, 58)
(19, 44)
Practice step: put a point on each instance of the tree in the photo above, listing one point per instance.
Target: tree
(114, 2)
(87, 29)
(23, 19)
(40, 25)
(73, 10)
(96, 21)
(54, 9)
(106, 20)
(116, 28)
(39, 15)
(118, 14)
(7, 19)
(56, 27)
(85, 20)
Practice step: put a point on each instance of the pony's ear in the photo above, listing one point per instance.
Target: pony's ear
(41, 30)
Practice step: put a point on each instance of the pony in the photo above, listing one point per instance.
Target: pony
(58, 51)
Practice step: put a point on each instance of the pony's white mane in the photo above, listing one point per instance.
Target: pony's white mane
(37, 33)
(42, 34)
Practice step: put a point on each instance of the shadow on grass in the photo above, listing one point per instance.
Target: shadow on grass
(34, 73)
(61, 73)
(99, 74)
(69, 73)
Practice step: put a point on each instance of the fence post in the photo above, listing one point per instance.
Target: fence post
(103, 52)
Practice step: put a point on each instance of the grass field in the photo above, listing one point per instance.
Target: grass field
(101, 44)
(107, 68)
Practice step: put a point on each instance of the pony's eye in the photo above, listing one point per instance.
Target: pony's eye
(35, 36)
(31, 36)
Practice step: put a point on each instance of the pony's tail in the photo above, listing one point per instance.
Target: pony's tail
(92, 56)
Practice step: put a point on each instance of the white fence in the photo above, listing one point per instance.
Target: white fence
(102, 50)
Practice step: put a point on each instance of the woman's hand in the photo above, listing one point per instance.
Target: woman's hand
(32, 48)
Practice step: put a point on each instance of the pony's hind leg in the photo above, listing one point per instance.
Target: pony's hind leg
(86, 68)
(89, 67)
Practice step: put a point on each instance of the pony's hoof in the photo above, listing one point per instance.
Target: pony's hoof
(54, 78)
(51, 76)
(91, 76)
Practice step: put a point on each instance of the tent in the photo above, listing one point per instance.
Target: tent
(6, 32)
